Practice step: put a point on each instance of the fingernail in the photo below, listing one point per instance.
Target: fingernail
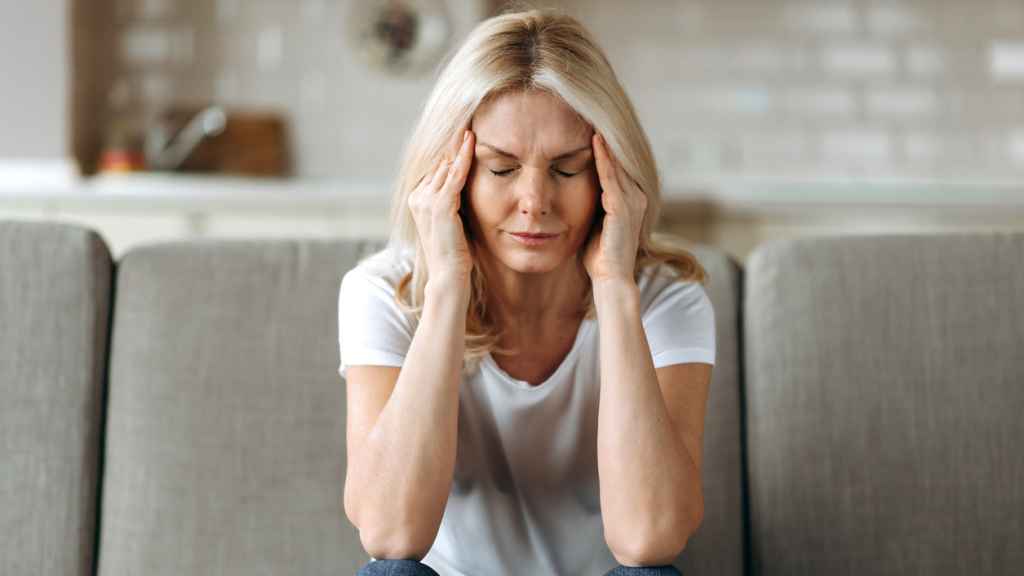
(465, 136)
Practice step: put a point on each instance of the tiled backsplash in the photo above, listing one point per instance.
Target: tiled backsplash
(913, 88)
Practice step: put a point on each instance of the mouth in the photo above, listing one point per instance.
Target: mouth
(532, 238)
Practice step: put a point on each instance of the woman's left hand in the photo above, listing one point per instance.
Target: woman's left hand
(611, 251)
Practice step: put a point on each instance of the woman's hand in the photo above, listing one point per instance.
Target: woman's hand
(435, 209)
(611, 251)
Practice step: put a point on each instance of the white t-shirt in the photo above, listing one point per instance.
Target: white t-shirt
(524, 499)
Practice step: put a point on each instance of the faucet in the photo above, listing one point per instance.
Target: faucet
(166, 151)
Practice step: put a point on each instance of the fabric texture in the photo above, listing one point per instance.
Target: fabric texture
(225, 447)
(884, 385)
(55, 291)
(524, 498)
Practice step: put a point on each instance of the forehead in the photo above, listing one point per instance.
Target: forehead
(528, 119)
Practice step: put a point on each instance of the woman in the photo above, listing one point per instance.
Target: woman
(527, 373)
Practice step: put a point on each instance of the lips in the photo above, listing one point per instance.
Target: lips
(533, 235)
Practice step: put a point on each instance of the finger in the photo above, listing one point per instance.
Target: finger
(606, 174)
(605, 163)
(439, 174)
(457, 176)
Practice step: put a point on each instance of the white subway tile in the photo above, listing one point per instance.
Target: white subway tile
(711, 153)
(860, 60)
(768, 58)
(270, 47)
(820, 17)
(227, 10)
(773, 149)
(857, 146)
(1015, 146)
(821, 101)
(704, 59)
(1006, 60)
(754, 101)
(1008, 15)
(923, 147)
(925, 61)
(895, 18)
(225, 87)
(146, 45)
(314, 10)
(718, 101)
(313, 87)
(902, 102)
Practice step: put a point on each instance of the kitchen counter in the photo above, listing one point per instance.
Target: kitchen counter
(734, 212)
(739, 194)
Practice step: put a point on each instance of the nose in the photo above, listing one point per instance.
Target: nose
(534, 194)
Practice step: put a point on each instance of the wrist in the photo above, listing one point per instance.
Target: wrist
(614, 290)
(455, 286)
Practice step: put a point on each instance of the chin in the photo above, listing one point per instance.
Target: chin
(534, 262)
(531, 263)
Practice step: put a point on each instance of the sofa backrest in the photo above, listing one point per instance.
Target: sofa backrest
(884, 391)
(55, 290)
(225, 448)
(226, 420)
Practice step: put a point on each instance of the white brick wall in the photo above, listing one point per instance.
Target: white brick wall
(920, 88)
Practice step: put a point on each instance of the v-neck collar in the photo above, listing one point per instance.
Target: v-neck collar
(565, 364)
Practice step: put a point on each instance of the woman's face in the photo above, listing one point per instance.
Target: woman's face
(533, 172)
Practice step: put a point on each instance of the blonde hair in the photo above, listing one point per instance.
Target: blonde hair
(519, 51)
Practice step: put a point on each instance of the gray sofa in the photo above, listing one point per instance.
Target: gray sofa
(178, 411)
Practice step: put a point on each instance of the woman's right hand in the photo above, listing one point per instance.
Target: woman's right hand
(435, 210)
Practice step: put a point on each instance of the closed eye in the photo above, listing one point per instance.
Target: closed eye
(510, 170)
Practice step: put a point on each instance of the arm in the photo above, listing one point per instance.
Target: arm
(398, 485)
(400, 475)
(648, 448)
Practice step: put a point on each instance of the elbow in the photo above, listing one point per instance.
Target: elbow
(387, 540)
(657, 546)
(388, 543)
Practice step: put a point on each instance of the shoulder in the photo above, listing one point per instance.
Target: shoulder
(381, 271)
(661, 283)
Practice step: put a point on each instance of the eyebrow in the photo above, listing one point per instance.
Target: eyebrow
(555, 159)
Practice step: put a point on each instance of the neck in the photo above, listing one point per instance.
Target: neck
(535, 301)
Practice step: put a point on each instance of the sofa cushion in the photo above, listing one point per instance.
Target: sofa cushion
(54, 313)
(225, 444)
(884, 394)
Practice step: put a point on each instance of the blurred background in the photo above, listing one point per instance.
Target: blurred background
(162, 119)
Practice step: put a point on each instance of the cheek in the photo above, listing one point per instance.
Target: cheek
(582, 203)
(484, 200)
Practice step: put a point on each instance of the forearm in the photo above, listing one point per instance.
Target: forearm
(649, 483)
(408, 458)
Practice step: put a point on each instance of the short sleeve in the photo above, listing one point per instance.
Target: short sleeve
(680, 323)
(372, 328)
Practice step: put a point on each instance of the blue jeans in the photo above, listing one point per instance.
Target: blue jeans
(416, 568)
